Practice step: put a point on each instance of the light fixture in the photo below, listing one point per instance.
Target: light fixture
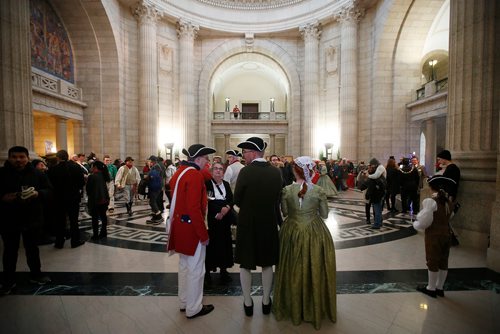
(433, 63)
(227, 99)
(271, 101)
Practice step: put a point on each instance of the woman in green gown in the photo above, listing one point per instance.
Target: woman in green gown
(326, 183)
(305, 283)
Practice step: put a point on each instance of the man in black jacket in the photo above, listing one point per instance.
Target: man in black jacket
(68, 181)
(22, 188)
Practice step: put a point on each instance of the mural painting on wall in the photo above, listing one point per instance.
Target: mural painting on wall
(50, 46)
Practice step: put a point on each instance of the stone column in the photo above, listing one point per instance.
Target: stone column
(473, 121)
(310, 113)
(147, 17)
(430, 145)
(348, 18)
(61, 133)
(227, 142)
(187, 32)
(272, 144)
(77, 137)
(16, 117)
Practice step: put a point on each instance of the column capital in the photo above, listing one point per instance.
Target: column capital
(187, 29)
(145, 12)
(350, 13)
(310, 31)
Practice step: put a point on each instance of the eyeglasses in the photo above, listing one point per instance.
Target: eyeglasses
(218, 168)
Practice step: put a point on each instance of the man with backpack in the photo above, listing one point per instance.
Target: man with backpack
(155, 184)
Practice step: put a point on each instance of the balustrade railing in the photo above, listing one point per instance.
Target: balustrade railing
(55, 86)
(243, 116)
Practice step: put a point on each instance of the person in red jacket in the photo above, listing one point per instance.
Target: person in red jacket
(188, 234)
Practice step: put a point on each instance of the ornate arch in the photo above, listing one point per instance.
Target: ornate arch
(263, 47)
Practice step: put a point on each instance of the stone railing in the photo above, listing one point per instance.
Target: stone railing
(242, 116)
(46, 83)
(431, 88)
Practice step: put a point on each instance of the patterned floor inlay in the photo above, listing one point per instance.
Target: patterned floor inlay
(165, 284)
(347, 223)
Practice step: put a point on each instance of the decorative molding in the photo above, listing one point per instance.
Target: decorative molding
(249, 39)
(187, 29)
(250, 4)
(145, 12)
(349, 13)
(165, 57)
(331, 59)
(310, 31)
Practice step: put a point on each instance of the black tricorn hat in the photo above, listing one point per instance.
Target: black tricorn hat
(444, 154)
(253, 143)
(197, 150)
(236, 153)
(441, 182)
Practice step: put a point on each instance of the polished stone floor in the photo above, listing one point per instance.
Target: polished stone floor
(128, 284)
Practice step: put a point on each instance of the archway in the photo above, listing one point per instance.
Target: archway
(265, 54)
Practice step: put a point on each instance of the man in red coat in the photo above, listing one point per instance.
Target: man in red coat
(188, 234)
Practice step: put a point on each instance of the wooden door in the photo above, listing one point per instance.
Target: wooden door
(250, 110)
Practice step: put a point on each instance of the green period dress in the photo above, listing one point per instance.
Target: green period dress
(305, 280)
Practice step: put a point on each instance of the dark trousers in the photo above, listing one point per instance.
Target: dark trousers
(99, 212)
(392, 204)
(71, 210)
(153, 200)
(407, 197)
(11, 238)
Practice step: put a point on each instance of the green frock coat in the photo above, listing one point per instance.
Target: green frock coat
(305, 280)
(257, 195)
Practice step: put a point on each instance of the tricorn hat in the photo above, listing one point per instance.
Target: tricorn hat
(236, 153)
(441, 182)
(197, 150)
(253, 143)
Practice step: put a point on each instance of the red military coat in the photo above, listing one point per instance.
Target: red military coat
(187, 226)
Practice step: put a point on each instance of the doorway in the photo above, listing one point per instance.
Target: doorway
(250, 111)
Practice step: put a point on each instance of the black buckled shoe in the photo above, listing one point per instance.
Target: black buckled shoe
(266, 309)
(205, 309)
(440, 292)
(248, 309)
(424, 290)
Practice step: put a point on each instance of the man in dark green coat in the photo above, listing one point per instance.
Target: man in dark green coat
(257, 193)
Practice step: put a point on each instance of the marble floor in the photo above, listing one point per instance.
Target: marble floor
(128, 284)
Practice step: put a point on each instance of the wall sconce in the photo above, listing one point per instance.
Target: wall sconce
(433, 63)
(227, 103)
(271, 101)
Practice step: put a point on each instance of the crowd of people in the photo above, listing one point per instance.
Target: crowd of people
(278, 205)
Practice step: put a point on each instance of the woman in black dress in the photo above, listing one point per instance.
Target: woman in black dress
(220, 217)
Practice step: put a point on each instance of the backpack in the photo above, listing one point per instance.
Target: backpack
(142, 188)
(378, 189)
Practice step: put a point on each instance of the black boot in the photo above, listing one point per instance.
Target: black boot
(367, 212)
(104, 231)
(95, 230)
(129, 209)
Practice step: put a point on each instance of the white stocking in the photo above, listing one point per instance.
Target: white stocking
(433, 277)
(246, 285)
(441, 279)
(267, 284)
